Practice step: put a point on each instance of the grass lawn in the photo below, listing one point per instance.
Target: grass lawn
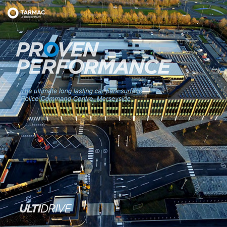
(169, 123)
(210, 11)
(149, 126)
(9, 29)
(204, 40)
(59, 2)
(182, 11)
(154, 201)
(216, 135)
(60, 24)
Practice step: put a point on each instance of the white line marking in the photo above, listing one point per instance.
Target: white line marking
(37, 196)
(144, 183)
(69, 185)
(130, 180)
(3, 207)
(169, 174)
(158, 179)
(133, 188)
(54, 191)
(181, 170)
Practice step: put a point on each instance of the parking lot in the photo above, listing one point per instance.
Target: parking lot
(58, 144)
(8, 48)
(202, 211)
(20, 172)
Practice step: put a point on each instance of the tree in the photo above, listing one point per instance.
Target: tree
(194, 21)
(157, 10)
(222, 25)
(184, 131)
(196, 128)
(220, 122)
(44, 131)
(65, 130)
(208, 124)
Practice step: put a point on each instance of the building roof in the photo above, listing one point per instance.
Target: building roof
(61, 201)
(11, 85)
(174, 70)
(121, 44)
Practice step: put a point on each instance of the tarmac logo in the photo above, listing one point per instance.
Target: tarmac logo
(16, 13)
(26, 13)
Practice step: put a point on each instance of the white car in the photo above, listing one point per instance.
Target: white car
(152, 33)
(136, 8)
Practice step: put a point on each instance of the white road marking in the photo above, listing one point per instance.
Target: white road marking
(133, 188)
(19, 202)
(130, 180)
(100, 142)
(181, 170)
(69, 185)
(3, 207)
(37, 196)
(157, 179)
(54, 191)
(141, 177)
(144, 183)
(169, 174)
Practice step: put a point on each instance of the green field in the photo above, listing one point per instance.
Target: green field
(182, 11)
(204, 40)
(210, 11)
(60, 24)
(9, 29)
(59, 2)
(154, 201)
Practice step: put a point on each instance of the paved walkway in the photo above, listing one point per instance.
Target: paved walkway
(164, 136)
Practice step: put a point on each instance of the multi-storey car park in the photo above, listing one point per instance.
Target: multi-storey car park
(186, 92)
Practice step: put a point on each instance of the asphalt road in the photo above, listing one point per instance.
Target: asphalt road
(65, 185)
(131, 186)
(175, 223)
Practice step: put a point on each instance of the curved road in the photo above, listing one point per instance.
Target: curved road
(104, 187)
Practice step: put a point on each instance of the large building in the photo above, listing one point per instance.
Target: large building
(186, 92)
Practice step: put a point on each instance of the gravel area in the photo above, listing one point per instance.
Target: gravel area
(84, 140)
